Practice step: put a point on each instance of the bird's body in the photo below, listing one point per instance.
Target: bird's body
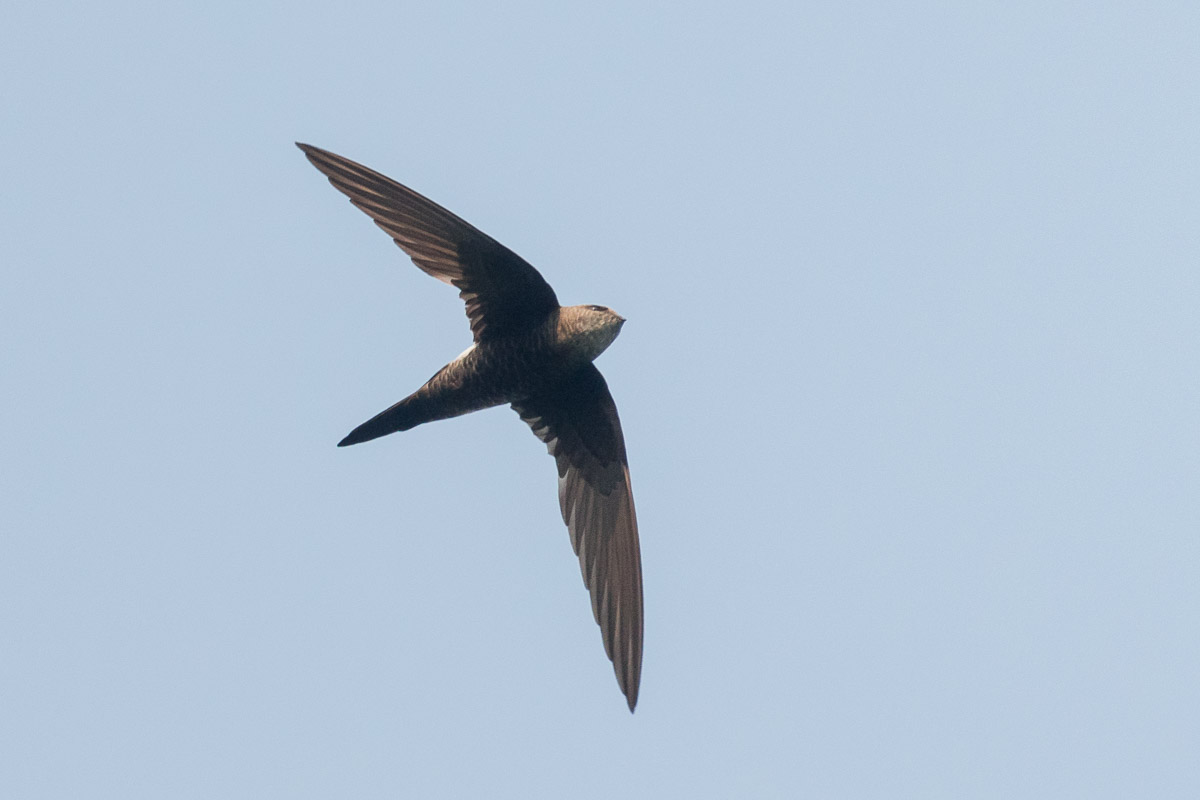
(501, 370)
(536, 355)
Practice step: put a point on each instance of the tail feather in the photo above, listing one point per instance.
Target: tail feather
(404, 415)
(449, 393)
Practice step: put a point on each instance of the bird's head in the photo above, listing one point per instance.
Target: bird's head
(591, 328)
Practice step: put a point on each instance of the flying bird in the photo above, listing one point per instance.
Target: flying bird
(535, 355)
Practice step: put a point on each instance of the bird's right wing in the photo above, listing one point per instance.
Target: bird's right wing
(504, 293)
(577, 420)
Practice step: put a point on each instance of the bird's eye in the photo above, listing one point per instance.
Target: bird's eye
(597, 308)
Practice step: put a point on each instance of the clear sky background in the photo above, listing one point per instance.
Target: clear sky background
(910, 385)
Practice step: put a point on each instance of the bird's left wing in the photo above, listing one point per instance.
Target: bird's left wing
(577, 419)
(503, 292)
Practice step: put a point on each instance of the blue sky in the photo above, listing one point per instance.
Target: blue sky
(909, 384)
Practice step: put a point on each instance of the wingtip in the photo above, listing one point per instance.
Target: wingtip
(631, 697)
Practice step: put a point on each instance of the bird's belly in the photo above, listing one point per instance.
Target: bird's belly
(485, 376)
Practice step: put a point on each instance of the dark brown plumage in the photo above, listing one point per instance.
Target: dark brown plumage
(536, 355)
